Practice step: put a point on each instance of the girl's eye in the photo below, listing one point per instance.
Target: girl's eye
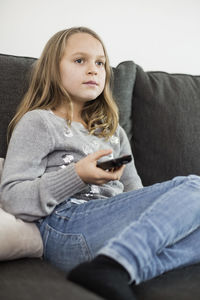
(79, 61)
(100, 63)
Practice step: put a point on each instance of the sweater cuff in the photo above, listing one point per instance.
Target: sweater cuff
(64, 183)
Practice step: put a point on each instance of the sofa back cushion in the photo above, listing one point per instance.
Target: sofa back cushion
(14, 72)
(166, 125)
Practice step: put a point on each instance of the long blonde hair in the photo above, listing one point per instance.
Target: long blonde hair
(47, 92)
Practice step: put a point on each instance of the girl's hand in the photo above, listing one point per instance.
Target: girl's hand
(88, 171)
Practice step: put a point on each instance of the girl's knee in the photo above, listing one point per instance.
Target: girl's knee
(194, 178)
(189, 179)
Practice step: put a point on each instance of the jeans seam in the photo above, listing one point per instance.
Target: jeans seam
(45, 238)
(87, 247)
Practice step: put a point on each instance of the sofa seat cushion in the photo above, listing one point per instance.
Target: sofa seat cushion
(31, 279)
(179, 284)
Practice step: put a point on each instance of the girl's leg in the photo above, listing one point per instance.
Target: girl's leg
(155, 243)
(185, 252)
(105, 277)
(75, 233)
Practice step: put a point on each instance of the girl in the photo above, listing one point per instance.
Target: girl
(67, 122)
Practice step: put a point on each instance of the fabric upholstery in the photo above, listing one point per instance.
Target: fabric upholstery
(166, 125)
(1, 166)
(123, 85)
(18, 239)
(35, 279)
(14, 72)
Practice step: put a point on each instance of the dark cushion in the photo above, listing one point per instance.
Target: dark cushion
(123, 84)
(166, 125)
(179, 284)
(14, 72)
(34, 279)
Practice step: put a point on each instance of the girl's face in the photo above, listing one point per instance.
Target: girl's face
(82, 68)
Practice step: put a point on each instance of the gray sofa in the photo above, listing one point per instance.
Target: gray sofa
(161, 115)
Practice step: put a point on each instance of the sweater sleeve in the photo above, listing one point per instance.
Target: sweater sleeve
(26, 190)
(130, 177)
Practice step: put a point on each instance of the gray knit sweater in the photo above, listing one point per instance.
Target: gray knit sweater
(39, 170)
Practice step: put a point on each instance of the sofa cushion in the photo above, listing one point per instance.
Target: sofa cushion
(36, 279)
(1, 166)
(166, 125)
(123, 84)
(18, 238)
(179, 284)
(14, 72)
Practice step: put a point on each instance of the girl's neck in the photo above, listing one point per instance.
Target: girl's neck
(77, 118)
(61, 111)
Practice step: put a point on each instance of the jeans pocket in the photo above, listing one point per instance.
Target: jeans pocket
(65, 250)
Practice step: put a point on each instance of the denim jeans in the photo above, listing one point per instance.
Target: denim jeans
(148, 231)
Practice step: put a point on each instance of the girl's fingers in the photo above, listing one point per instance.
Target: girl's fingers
(112, 175)
(88, 171)
(100, 153)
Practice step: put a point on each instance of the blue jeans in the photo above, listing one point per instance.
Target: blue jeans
(148, 231)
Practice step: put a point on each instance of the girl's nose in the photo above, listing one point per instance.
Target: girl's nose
(92, 69)
(92, 72)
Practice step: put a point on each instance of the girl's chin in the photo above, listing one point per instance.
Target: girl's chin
(87, 97)
(90, 98)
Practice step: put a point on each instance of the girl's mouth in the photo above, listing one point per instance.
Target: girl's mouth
(93, 83)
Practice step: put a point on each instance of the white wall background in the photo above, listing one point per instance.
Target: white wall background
(156, 34)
